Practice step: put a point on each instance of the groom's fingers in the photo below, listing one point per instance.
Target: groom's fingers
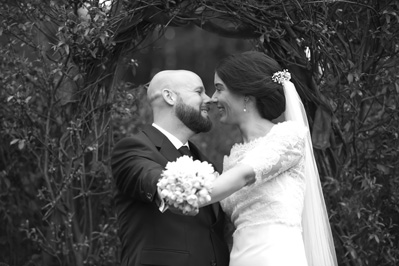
(180, 212)
(193, 212)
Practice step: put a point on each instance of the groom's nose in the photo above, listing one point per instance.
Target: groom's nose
(206, 99)
(214, 98)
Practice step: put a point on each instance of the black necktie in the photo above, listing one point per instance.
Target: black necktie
(184, 150)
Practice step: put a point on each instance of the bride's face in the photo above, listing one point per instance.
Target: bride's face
(230, 105)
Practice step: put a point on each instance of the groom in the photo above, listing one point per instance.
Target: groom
(149, 236)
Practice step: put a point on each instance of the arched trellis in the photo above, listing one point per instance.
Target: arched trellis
(282, 29)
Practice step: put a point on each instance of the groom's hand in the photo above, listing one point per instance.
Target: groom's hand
(180, 212)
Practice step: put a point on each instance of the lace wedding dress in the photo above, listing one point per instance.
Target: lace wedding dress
(267, 213)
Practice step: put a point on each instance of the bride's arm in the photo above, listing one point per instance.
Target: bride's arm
(231, 181)
(252, 167)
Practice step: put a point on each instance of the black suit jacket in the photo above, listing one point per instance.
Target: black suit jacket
(148, 236)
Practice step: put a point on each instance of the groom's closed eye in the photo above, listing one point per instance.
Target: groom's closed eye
(199, 90)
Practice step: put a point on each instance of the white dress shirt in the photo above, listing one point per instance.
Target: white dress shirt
(175, 141)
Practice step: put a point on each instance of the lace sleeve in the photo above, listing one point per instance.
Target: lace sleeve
(273, 156)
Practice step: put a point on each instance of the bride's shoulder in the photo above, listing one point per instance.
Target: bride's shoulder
(288, 124)
(290, 128)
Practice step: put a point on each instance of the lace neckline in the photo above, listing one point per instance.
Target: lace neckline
(255, 141)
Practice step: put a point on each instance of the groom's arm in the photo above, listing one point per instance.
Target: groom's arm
(135, 170)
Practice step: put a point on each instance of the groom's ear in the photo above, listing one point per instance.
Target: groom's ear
(169, 96)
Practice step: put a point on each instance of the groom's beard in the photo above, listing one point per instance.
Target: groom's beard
(192, 118)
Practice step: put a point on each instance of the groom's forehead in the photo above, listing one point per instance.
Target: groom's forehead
(190, 89)
(190, 83)
(190, 79)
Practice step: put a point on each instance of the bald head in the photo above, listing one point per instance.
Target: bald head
(173, 80)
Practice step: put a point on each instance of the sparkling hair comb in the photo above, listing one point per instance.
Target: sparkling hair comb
(281, 76)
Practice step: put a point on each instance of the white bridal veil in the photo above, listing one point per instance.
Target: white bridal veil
(318, 240)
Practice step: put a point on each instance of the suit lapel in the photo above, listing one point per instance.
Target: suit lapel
(162, 143)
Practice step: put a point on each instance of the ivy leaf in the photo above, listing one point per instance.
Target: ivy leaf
(102, 38)
(21, 144)
(383, 169)
(14, 141)
(350, 78)
(66, 47)
(262, 38)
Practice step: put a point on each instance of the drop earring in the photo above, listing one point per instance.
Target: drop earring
(245, 103)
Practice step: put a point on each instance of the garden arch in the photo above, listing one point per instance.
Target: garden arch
(282, 30)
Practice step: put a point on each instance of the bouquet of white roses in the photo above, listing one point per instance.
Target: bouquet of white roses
(186, 183)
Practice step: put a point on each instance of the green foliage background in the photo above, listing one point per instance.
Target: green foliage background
(72, 82)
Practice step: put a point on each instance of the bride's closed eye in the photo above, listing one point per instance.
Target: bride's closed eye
(218, 87)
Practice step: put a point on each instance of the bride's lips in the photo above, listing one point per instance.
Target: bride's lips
(221, 109)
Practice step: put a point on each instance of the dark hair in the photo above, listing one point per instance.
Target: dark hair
(250, 73)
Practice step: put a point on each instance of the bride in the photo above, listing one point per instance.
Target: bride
(270, 186)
